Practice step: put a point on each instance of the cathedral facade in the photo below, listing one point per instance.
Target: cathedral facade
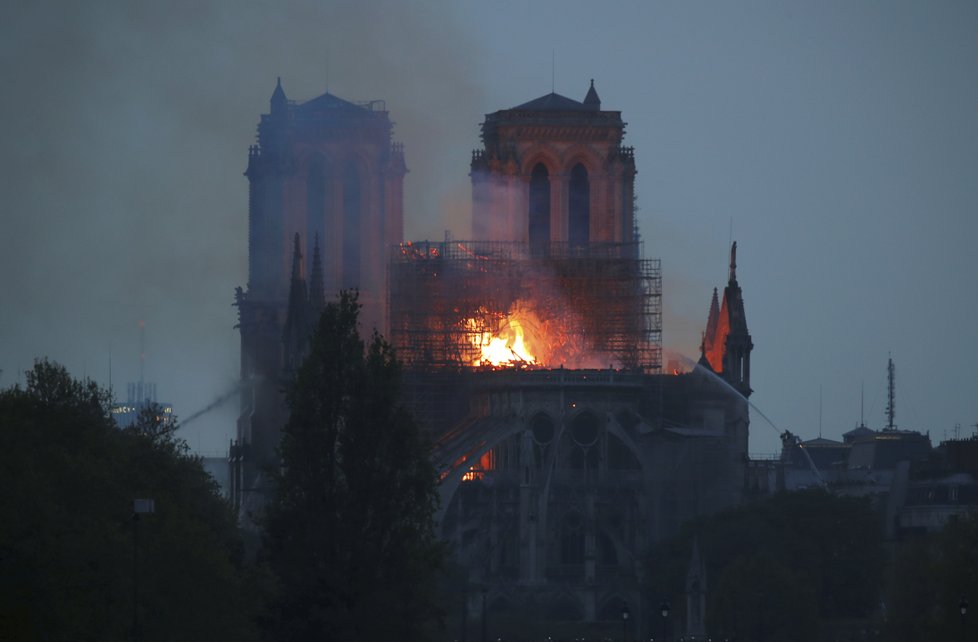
(532, 352)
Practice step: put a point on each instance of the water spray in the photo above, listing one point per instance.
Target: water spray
(698, 368)
(220, 401)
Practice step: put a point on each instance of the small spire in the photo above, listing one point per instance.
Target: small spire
(591, 101)
(709, 335)
(733, 262)
(296, 259)
(296, 331)
(279, 101)
(713, 318)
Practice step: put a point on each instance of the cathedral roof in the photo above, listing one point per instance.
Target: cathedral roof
(328, 102)
(553, 102)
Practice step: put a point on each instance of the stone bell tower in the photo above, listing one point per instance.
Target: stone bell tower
(554, 171)
(325, 170)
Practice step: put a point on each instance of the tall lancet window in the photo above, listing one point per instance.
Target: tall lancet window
(352, 216)
(539, 209)
(315, 203)
(579, 214)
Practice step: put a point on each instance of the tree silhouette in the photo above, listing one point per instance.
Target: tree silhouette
(350, 532)
(69, 477)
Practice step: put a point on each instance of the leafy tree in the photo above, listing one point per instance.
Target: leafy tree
(759, 598)
(931, 573)
(349, 533)
(69, 476)
(826, 548)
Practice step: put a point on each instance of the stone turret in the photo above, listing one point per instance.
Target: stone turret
(591, 101)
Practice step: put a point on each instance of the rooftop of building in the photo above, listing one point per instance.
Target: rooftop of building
(555, 102)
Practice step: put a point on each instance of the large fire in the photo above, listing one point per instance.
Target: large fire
(504, 341)
(522, 338)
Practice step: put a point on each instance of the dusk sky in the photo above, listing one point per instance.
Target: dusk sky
(835, 141)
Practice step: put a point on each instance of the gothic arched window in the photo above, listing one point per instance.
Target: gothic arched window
(572, 539)
(579, 212)
(539, 215)
(352, 216)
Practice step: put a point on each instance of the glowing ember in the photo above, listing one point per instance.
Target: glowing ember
(487, 463)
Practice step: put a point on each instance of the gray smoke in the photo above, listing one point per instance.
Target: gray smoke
(126, 128)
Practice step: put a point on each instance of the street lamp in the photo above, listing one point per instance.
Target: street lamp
(963, 607)
(625, 614)
(664, 610)
(465, 612)
(139, 507)
(485, 589)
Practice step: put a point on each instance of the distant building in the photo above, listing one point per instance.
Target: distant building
(916, 488)
(944, 485)
(813, 463)
(883, 450)
(930, 503)
(139, 397)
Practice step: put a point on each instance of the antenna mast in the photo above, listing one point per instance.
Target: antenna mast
(142, 357)
(890, 406)
(553, 71)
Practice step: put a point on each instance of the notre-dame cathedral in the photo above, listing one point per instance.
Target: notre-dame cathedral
(532, 352)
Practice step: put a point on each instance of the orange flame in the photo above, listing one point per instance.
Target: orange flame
(506, 346)
(523, 338)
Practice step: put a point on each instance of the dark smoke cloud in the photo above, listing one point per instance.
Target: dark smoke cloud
(125, 129)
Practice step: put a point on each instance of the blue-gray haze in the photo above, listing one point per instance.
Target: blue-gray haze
(838, 140)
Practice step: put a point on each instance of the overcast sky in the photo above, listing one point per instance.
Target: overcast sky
(837, 139)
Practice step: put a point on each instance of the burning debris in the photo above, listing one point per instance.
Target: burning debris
(502, 338)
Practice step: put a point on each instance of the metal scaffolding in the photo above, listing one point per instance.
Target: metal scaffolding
(597, 305)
